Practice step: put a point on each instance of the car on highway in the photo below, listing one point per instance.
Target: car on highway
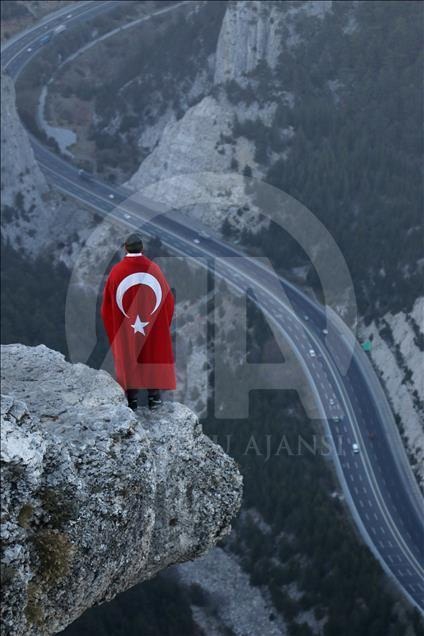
(312, 353)
(305, 317)
(196, 241)
(111, 196)
(86, 176)
(332, 402)
(325, 332)
(127, 216)
(355, 448)
(29, 49)
(69, 16)
(46, 38)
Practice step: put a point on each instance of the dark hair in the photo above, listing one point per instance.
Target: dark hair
(133, 248)
(134, 243)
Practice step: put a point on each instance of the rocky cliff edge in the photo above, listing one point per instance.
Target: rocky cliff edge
(96, 498)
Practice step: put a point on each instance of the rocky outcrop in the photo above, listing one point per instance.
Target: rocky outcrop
(250, 34)
(206, 140)
(230, 603)
(253, 32)
(96, 498)
(192, 168)
(192, 144)
(397, 351)
(22, 182)
(34, 218)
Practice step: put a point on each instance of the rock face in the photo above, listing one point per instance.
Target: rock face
(182, 170)
(205, 140)
(33, 216)
(240, 608)
(189, 145)
(96, 498)
(253, 32)
(250, 34)
(397, 351)
(19, 170)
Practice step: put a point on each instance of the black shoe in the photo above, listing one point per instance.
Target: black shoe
(133, 404)
(154, 403)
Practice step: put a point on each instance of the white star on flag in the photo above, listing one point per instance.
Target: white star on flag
(138, 326)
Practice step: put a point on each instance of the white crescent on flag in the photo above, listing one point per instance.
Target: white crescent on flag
(138, 278)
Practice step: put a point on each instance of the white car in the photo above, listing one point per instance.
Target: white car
(196, 241)
(332, 402)
(29, 49)
(305, 317)
(127, 216)
(69, 16)
(355, 448)
(336, 420)
(111, 196)
(312, 353)
(325, 332)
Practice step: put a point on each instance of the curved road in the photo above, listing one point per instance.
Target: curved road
(377, 482)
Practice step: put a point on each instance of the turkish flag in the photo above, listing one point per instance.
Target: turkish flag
(137, 310)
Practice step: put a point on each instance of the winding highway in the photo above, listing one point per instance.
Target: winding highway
(377, 481)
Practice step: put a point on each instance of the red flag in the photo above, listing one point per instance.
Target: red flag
(137, 310)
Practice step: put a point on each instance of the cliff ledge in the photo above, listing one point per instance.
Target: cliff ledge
(96, 498)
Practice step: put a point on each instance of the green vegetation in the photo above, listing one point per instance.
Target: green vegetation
(25, 516)
(54, 551)
(159, 51)
(33, 300)
(310, 557)
(33, 611)
(12, 9)
(355, 159)
(58, 506)
(312, 544)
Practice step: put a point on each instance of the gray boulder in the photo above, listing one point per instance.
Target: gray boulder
(96, 498)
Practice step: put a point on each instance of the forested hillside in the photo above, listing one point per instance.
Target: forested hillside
(311, 561)
(355, 159)
(33, 300)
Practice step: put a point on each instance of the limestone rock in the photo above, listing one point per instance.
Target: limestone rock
(96, 498)
(19, 170)
(189, 145)
(255, 32)
(34, 218)
(250, 34)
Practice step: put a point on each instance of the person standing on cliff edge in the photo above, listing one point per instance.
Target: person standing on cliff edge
(137, 311)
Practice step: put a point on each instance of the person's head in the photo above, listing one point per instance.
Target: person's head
(134, 244)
